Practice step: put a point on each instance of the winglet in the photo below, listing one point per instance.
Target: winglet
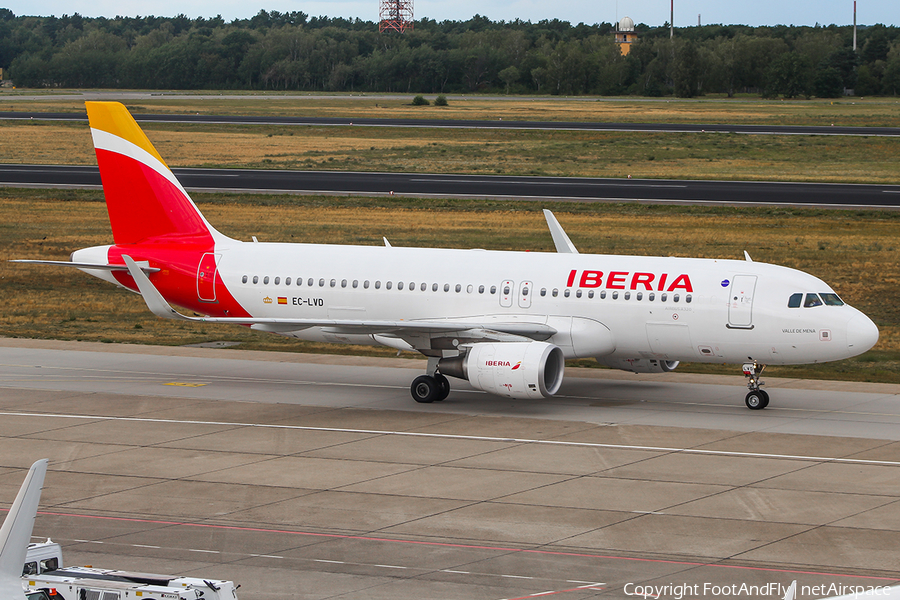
(791, 592)
(16, 531)
(563, 244)
(155, 301)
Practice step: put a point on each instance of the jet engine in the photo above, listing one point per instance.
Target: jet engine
(640, 365)
(512, 369)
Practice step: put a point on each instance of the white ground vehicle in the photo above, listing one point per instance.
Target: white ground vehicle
(44, 577)
(87, 583)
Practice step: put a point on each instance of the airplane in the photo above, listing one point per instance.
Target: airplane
(505, 321)
(15, 534)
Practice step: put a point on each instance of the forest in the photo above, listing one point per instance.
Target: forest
(292, 51)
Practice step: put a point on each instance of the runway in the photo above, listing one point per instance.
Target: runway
(475, 124)
(318, 477)
(579, 189)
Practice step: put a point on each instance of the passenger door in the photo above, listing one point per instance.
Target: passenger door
(740, 302)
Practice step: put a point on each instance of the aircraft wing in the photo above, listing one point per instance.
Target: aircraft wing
(403, 329)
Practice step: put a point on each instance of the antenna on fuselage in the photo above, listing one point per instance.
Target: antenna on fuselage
(747, 256)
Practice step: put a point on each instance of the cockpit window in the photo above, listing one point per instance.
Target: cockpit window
(795, 300)
(831, 299)
(812, 300)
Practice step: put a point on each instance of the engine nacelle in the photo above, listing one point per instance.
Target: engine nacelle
(514, 369)
(640, 365)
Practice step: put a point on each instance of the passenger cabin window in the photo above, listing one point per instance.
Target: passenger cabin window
(543, 291)
(493, 289)
(266, 280)
(366, 284)
(377, 284)
(355, 283)
(615, 295)
(458, 288)
(555, 292)
(256, 279)
(321, 283)
(287, 281)
(244, 279)
(277, 280)
(480, 289)
(795, 300)
(812, 300)
(628, 295)
(343, 283)
(603, 294)
(387, 285)
(578, 293)
(639, 296)
(567, 292)
(399, 285)
(423, 286)
(590, 293)
(309, 282)
(651, 297)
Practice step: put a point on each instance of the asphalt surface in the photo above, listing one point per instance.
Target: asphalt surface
(478, 124)
(308, 476)
(486, 186)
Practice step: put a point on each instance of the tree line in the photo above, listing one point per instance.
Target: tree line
(292, 51)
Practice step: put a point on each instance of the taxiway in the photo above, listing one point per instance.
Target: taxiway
(318, 477)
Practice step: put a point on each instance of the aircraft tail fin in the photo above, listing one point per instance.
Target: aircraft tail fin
(16, 531)
(143, 197)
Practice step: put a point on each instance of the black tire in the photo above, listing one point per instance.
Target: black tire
(757, 400)
(424, 389)
(443, 387)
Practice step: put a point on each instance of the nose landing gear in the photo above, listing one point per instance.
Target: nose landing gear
(757, 399)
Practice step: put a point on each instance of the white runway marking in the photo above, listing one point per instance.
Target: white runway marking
(481, 438)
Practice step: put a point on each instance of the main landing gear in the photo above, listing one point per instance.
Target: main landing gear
(757, 399)
(430, 388)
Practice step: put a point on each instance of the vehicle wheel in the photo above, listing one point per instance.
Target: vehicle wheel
(757, 400)
(443, 387)
(425, 389)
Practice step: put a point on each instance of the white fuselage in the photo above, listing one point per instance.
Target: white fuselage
(677, 309)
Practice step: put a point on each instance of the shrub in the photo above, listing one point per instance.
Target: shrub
(420, 101)
(440, 100)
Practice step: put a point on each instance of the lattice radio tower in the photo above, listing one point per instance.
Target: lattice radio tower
(396, 15)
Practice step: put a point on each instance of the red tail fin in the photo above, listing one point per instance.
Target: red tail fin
(144, 199)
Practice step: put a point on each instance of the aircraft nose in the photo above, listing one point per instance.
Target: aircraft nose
(862, 333)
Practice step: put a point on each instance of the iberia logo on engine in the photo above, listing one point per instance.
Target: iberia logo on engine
(502, 363)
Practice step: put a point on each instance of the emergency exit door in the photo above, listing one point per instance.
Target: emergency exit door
(740, 301)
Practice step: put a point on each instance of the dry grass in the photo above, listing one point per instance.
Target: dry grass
(855, 252)
(713, 109)
(566, 153)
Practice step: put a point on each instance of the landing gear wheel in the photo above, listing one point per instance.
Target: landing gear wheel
(757, 400)
(425, 389)
(443, 387)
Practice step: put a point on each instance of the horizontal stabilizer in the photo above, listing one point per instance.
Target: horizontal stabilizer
(78, 265)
